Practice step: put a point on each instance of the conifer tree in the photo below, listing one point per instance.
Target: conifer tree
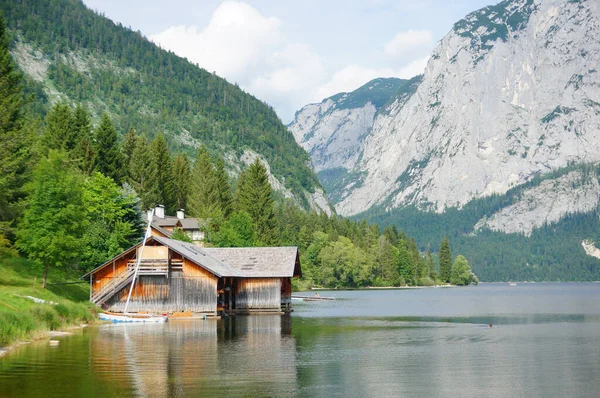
(183, 177)
(445, 260)
(109, 160)
(165, 181)
(82, 150)
(15, 139)
(254, 196)
(129, 142)
(222, 184)
(203, 197)
(58, 133)
(143, 175)
(431, 265)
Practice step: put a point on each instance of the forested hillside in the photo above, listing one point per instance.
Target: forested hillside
(70, 53)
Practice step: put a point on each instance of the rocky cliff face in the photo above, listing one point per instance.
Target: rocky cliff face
(511, 92)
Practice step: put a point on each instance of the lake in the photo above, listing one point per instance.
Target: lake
(436, 342)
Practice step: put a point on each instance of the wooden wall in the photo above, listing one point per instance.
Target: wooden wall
(190, 288)
(259, 294)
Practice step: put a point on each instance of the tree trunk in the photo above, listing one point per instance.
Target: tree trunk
(45, 276)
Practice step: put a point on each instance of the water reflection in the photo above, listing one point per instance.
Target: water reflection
(253, 354)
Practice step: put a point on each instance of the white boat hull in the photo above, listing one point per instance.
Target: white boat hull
(118, 318)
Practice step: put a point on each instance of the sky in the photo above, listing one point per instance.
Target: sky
(292, 53)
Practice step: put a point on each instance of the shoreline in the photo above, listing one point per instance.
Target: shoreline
(41, 335)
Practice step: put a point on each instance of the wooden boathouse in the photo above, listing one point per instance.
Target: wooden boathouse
(176, 276)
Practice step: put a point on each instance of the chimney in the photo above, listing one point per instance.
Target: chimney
(180, 214)
(160, 211)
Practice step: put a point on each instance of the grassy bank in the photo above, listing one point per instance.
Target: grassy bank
(23, 319)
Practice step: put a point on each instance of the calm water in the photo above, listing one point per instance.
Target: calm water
(545, 342)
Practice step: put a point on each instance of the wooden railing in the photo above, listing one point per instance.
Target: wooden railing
(116, 284)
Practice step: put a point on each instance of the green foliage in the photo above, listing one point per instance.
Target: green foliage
(203, 198)
(182, 180)
(164, 180)
(109, 160)
(15, 140)
(114, 221)
(238, 231)
(445, 260)
(179, 234)
(222, 185)
(53, 223)
(461, 272)
(143, 175)
(255, 197)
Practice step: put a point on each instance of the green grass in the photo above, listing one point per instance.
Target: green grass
(23, 319)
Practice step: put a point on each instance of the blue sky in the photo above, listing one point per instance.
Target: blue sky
(293, 53)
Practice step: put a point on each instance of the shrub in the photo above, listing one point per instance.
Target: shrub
(47, 315)
(15, 326)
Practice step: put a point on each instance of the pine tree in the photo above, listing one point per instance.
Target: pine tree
(15, 138)
(445, 260)
(431, 265)
(53, 224)
(58, 133)
(254, 196)
(203, 197)
(109, 160)
(143, 177)
(165, 181)
(81, 143)
(222, 184)
(183, 176)
(129, 142)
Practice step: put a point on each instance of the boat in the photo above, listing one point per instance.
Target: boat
(512, 283)
(126, 317)
(313, 298)
(132, 318)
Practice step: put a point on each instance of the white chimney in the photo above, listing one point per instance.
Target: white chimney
(160, 211)
(181, 214)
(150, 214)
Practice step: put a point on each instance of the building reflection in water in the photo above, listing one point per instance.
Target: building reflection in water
(245, 354)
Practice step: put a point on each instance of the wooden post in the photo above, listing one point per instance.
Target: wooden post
(91, 285)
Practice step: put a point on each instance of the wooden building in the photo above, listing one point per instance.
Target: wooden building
(163, 225)
(176, 276)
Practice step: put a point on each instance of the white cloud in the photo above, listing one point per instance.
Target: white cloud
(408, 42)
(251, 49)
(234, 43)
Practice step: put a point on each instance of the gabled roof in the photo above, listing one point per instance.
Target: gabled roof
(260, 262)
(189, 223)
(167, 221)
(199, 256)
(163, 231)
(247, 262)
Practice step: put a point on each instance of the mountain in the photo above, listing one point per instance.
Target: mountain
(69, 53)
(498, 143)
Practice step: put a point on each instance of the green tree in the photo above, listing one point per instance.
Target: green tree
(15, 139)
(445, 260)
(58, 134)
(130, 141)
(143, 177)
(431, 265)
(53, 224)
(109, 159)
(203, 197)
(254, 196)
(223, 187)
(387, 260)
(81, 143)
(183, 178)
(237, 231)
(461, 272)
(179, 234)
(114, 223)
(165, 181)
